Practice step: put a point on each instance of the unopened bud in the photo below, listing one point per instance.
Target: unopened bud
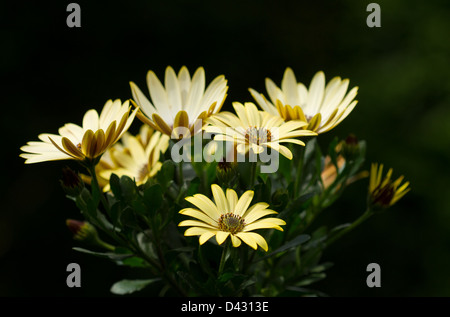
(226, 171)
(71, 182)
(350, 147)
(85, 232)
(383, 191)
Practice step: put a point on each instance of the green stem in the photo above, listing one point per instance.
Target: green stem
(96, 190)
(105, 245)
(253, 168)
(180, 174)
(298, 177)
(223, 258)
(366, 215)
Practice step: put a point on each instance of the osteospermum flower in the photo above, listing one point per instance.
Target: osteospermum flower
(136, 156)
(256, 130)
(183, 102)
(383, 191)
(322, 106)
(87, 142)
(229, 216)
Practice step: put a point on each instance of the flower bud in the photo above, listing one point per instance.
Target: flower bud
(226, 171)
(383, 191)
(71, 182)
(350, 147)
(82, 230)
(85, 232)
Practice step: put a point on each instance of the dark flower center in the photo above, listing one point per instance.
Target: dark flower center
(230, 222)
(258, 135)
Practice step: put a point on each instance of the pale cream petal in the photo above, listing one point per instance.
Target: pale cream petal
(137, 152)
(204, 204)
(235, 241)
(221, 236)
(265, 223)
(72, 131)
(241, 113)
(274, 92)
(145, 105)
(195, 223)
(253, 239)
(281, 149)
(232, 198)
(205, 236)
(159, 98)
(173, 89)
(334, 97)
(242, 148)
(315, 93)
(215, 92)
(91, 120)
(243, 203)
(109, 113)
(38, 158)
(289, 87)
(257, 211)
(220, 199)
(196, 92)
(199, 215)
(253, 115)
(302, 95)
(184, 81)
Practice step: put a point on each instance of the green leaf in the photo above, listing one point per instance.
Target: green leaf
(130, 286)
(288, 245)
(321, 267)
(114, 183)
(134, 261)
(332, 151)
(153, 197)
(310, 279)
(166, 174)
(128, 188)
(194, 187)
(108, 255)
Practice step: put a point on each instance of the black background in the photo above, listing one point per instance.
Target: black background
(52, 74)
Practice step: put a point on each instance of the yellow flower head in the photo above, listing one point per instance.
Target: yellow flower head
(229, 216)
(322, 106)
(135, 156)
(183, 102)
(384, 192)
(256, 130)
(88, 142)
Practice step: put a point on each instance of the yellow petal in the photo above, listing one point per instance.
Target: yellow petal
(243, 203)
(204, 204)
(220, 199)
(221, 236)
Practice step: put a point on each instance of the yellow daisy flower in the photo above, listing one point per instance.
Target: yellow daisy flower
(229, 216)
(89, 142)
(135, 156)
(181, 103)
(323, 107)
(384, 192)
(255, 130)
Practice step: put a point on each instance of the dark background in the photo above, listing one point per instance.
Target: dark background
(52, 74)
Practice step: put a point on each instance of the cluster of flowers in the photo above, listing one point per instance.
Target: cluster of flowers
(291, 112)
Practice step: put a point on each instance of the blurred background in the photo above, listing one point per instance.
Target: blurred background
(51, 74)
